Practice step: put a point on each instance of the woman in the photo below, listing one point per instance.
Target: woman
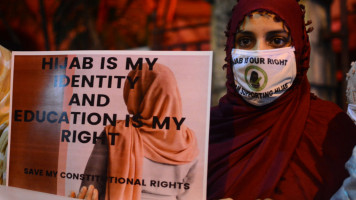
(160, 162)
(269, 137)
(348, 189)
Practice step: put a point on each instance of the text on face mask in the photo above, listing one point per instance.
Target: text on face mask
(261, 95)
(257, 60)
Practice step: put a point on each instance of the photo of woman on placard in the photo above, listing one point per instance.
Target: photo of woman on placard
(270, 138)
(147, 161)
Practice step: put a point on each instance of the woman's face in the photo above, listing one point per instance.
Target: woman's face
(260, 32)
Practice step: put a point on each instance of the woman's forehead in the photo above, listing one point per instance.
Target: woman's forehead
(261, 20)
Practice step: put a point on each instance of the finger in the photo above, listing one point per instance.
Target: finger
(89, 194)
(82, 192)
(72, 194)
(95, 195)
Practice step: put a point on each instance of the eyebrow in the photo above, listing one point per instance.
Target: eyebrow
(270, 32)
(245, 32)
(277, 32)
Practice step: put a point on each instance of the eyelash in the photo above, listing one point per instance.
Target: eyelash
(241, 39)
(281, 38)
(270, 41)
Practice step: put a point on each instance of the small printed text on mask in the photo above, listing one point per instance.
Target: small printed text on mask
(261, 95)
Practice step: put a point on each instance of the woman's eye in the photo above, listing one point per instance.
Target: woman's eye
(278, 42)
(244, 43)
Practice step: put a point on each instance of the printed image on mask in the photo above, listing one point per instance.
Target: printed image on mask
(262, 76)
(255, 80)
(258, 78)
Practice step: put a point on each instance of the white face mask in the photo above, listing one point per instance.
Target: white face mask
(261, 76)
(351, 111)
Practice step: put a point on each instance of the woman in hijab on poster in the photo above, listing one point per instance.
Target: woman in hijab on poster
(270, 138)
(142, 153)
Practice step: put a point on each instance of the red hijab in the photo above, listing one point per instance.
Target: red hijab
(253, 148)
